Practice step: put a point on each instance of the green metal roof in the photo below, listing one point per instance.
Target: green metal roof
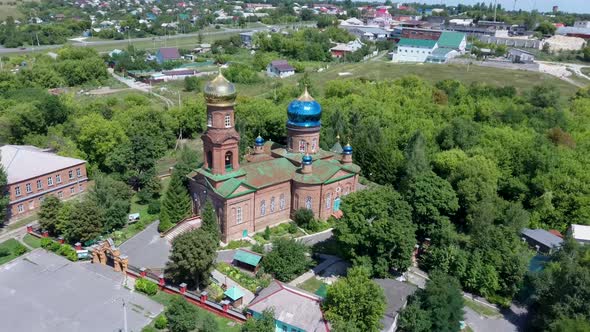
(247, 257)
(450, 39)
(421, 43)
(234, 293)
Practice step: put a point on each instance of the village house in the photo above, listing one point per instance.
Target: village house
(270, 183)
(294, 309)
(341, 49)
(544, 241)
(519, 56)
(280, 68)
(34, 173)
(167, 54)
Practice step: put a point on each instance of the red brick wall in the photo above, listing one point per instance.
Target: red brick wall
(31, 201)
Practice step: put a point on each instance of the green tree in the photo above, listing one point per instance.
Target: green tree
(176, 205)
(87, 224)
(182, 316)
(356, 299)
(546, 28)
(192, 258)
(414, 319)
(442, 297)
(113, 198)
(303, 217)
(4, 195)
(377, 224)
(416, 155)
(286, 260)
(48, 213)
(192, 83)
(264, 323)
(210, 222)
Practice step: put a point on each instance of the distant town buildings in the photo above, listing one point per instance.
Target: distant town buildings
(34, 173)
(448, 45)
(580, 233)
(341, 49)
(167, 54)
(519, 56)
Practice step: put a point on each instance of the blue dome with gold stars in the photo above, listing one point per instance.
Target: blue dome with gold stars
(304, 111)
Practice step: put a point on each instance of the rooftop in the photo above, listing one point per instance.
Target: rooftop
(292, 306)
(542, 236)
(247, 257)
(580, 232)
(169, 53)
(22, 162)
(420, 43)
(234, 293)
(451, 39)
(48, 293)
(282, 65)
(396, 296)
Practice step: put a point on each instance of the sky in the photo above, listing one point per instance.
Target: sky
(572, 6)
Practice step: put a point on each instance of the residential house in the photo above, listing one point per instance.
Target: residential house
(368, 33)
(34, 173)
(580, 233)
(453, 40)
(247, 38)
(417, 33)
(280, 68)
(167, 54)
(295, 310)
(341, 49)
(396, 298)
(519, 56)
(544, 241)
(581, 32)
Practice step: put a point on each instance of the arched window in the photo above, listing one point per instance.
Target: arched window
(209, 120)
(338, 191)
(209, 159)
(272, 204)
(229, 160)
(263, 208)
(314, 144)
(301, 146)
(328, 200)
(347, 190)
(239, 216)
(282, 201)
(308, 202)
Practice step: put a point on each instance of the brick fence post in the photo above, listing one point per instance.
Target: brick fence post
(78, 246)
(183, 288)
(61, 240)
(45, 233)
(161, 280)
(204, 296)
(29, 228)
(143, 272)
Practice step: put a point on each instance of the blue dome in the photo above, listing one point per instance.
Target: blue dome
(307, 160)
(259, 141)
(347, 149)
(304, 112)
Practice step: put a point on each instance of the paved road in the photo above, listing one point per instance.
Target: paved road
(512, 320)
(4, 50)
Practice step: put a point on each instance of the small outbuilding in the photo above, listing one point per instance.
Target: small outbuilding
(247, 260)
(545, 241)
(519, 56)
(280, 68)
(235, 296)
(580, 233)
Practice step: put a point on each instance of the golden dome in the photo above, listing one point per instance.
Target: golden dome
(305, 96)
(220, 91)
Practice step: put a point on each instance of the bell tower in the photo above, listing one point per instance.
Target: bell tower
(220, 140)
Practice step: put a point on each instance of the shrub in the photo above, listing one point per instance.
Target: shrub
(303, 217)
(4, 252)
(259, 248)
(154, 207)
(19, 250)
(49, 244)
(164, 226)
(161, 322)
(68, 252)
(292, 228)
(145, 286)
(266, 234)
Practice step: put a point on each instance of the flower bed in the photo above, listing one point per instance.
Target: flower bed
(245, 280)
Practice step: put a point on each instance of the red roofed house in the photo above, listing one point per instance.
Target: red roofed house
(167, 54)
(34, 173)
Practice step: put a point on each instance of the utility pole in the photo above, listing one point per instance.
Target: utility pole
(124, 316)
(495, 9)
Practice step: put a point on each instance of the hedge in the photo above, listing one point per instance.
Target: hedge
(145, 286)
(60, 249)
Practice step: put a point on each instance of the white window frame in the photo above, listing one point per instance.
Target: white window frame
(20, 208)
(301, 146)
(80, 188)
(239, 216)
(70, 174)
(209, 120)
(60, 194)
(39, 184)
(49, 181)
(58, 178)
(79, 172)
(282, 202)
(328, 200)
(72, 189)
(31, 205)
(17, 191)
(308, 202)
(227, 121)
(262, 208)
(29, 188)
(272, 204)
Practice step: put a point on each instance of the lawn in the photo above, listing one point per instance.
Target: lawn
(11, 249)
(32, 241)
(225, 325)
(312, 285)
(481, 309)
(279, 231)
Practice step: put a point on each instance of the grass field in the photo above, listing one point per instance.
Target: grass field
(225, 325)
(9, 10)
(32, 241)
(481, 309)
(11, 249)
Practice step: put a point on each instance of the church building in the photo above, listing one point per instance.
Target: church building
(269, 184)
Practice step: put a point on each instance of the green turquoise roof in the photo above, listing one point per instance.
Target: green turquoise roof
(234, 293)
(247, 257)
(228, 187)
(450, 39)
(265, 173)
(220, 177)
(422, 43)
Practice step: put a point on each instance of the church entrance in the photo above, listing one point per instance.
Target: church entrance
(245, 233)
(337, 204)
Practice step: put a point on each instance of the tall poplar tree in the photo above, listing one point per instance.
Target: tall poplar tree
(4, 195)
(210, 224)
(177, 202)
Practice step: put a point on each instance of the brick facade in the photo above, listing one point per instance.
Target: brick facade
(26, 196)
